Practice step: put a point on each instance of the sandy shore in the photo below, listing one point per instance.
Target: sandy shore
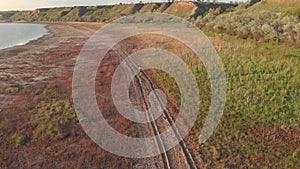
(43, 59)
(16, 63)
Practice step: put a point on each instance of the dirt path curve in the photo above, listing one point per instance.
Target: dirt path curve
(178, 157)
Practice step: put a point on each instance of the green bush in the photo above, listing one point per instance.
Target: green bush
(50, 118)
(264, 26)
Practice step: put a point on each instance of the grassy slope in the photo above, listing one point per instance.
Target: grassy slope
(182, 9)
(262, 108)
(285, 6)
(54, 14)
(260, 126)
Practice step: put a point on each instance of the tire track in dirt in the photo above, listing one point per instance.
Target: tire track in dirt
(169, 158)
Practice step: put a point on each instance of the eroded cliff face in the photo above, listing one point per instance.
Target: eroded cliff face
(252, 2)
(106, 13)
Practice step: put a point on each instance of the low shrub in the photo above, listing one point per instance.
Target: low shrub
(265, 26)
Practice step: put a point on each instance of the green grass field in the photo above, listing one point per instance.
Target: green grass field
(260, 126)
(262, 102)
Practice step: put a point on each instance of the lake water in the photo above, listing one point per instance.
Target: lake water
(14, 34)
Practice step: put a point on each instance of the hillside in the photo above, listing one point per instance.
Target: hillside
(267, 21)
(104, 13)
(284, 6)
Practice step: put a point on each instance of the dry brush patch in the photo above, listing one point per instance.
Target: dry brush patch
(263, 25)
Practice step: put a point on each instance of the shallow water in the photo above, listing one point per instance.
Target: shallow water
(14, 34)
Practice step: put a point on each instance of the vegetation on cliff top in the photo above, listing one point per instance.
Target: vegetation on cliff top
(106, 13)
(269, 20)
